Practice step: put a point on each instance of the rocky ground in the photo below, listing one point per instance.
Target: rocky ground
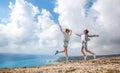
(100, 65)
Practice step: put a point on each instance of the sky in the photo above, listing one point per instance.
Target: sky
(31, 26)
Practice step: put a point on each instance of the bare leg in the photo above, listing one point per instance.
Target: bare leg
(90, 52)
(83, 52)
(84, 55)
(64, 51)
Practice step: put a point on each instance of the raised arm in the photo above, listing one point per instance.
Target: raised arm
(70, 32)
(60, 28)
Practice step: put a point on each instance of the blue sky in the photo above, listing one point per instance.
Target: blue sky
(88, 5)
(46, 4)
(41, 4)
(4, 9)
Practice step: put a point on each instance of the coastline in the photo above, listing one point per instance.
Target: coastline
(99, 65)
(89, 57)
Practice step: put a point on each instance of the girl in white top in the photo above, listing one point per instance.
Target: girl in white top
(84, 39)
(67, 33)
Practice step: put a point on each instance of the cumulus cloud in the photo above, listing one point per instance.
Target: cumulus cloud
(31, 31)
(102, 18)
(48, 30)
(24, 32)
(108, 19)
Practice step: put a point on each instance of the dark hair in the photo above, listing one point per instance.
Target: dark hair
(86, 31)
(67, 30)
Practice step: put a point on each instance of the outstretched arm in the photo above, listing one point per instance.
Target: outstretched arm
(78, 35)
(93, 36)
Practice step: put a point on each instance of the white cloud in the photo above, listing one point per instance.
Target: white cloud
(103, 18)
(29, 30)
(24, 33)
(109, 21)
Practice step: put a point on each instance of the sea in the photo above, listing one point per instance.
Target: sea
(23, 60)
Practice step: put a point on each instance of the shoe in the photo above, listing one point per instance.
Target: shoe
(68, 60)
(85, 57)
(56, 52)
(94, 56)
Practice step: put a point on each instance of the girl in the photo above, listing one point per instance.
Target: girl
(67, 33)
(84, 39)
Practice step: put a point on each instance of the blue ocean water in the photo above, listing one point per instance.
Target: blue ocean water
(20, 60)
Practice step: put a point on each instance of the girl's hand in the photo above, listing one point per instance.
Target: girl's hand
(97, 35)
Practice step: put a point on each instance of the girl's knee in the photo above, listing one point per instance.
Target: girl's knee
(81, 50)
(65, 50)
(86, 50)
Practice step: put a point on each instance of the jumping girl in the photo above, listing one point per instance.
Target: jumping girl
(67, 33)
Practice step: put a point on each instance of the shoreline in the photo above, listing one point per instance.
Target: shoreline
(61, 60)
(89, 57)
(99, 65)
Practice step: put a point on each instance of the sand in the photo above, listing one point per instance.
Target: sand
(100, 65)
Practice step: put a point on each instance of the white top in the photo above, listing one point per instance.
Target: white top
(66, 36)
(84, 38)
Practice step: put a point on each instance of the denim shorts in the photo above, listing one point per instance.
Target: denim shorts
(84, 45)
(65, 43)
